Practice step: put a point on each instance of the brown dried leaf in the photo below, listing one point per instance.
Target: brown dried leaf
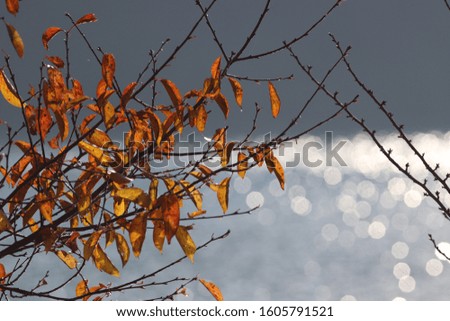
(237, 90)
(4, 223)
(242, 164)
(90, 244)
(57, 61)
(171, 215)
(173, 92)
(202, 117)
(82, 289)
(223, 104)
(12, 6)
(215, 68)
(159, 233)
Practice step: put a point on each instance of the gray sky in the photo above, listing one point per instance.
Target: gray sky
(400, 49)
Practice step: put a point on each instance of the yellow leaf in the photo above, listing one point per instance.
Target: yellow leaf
(226, 155)
(103, 263)
(45, 206)
(223, 104)
(108, 69)
(135, 195)
(137, 230)
(242, 164)
(120, 206)
(99, 138)
(8, 91)
(215, 68)
(186, 242)
(274, 100)
(96, 152)
(170, 208)
(193, 193)
(237, 90)
(222, 191)
(16, 39)
(12, 6)
(4, 223)
(122, 248)
(49, 34)
(67, 258)
(173, 92)
(153, 192)
(82, 289)
(90, 244)
(213, 289)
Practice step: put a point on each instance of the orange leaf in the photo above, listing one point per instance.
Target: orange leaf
(108, 69)
(193, 193)
(45, 206)
(137, 230)
(274, 100)
(237, 90)
(186, 242)
(90, 244)
(103, 263)
(82, 289)
(159, 233)
(201, 118)
(127, 93)
(226, 155)
(215, 68)
(242, 164)
(67, 258)
(219, 140)
(16, 39)
(274, 165)
(8, 91)
(57, 61)
(109, 114)
(12, 6)
(96, 152)
(122, 248)
(44, 123)
(173, 92)
(171, 215)
(49, 34)
(99, 138)
(90, 17)
(223, 104)
(2, 274)
(63, 124)
(213, 289)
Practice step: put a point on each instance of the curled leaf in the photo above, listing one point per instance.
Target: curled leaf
(8, 91)
(57, 61)
(237, 90)
(213, 289)
(173, 92)
(223, 104)
(215, 68)
(49, 34)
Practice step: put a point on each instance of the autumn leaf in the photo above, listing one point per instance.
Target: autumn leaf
(108, 69)
(159, 233)
(67, 258)
(171, 215)
(8, 91)
(127, 93)
(82, 289)
(222, 191)
(213, 289)
(90, 17)
(215, 68)
(103, 263)
(122, 248)
(274, 100)
(45, 206)
(96, 152)
(274, 165)
(4, 223)
(193, 193)
(226, 155)
(223, 104)
(202, 117)
(186, 242)
(134, 194)
(44, 122)
(63, 124)
(57, 61)
(237, 90)
(242, 164)
(49, 34)
(12, 6)
(16, 39)
(173, 92)
(90, 244)
(137, 230)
